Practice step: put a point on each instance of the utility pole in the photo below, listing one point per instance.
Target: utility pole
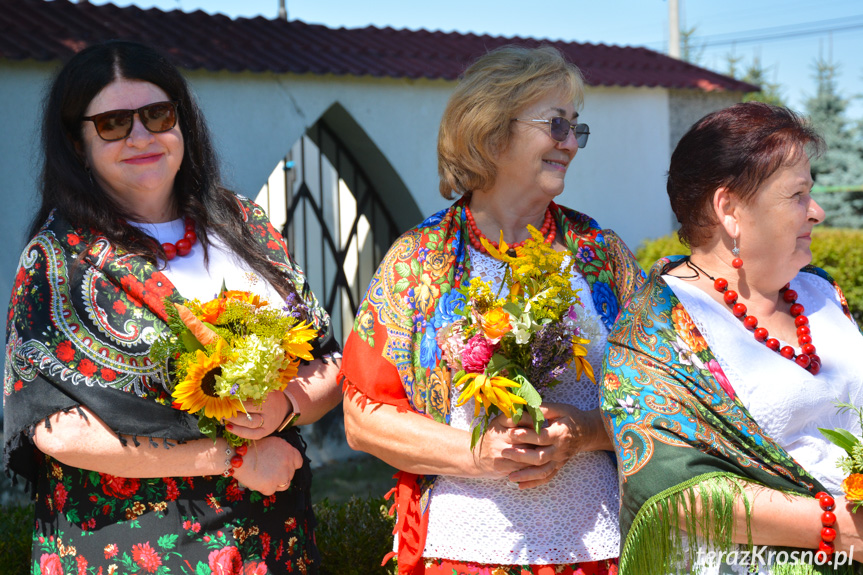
(673, 29)
(283, 11)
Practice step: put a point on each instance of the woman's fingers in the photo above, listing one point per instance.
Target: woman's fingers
(262, 419)
(269, 465)
(535, 476)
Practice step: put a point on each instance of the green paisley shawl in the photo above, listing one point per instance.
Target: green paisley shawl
(680, 431)
(392, 356)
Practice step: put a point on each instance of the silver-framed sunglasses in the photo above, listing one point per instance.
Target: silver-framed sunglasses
(559, 128)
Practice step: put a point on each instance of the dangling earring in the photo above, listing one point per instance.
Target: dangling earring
(737, 263)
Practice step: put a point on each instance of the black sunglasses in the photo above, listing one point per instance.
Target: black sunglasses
(117, 124)
(559, 129)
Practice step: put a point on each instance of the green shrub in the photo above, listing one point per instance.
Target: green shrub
(651, 250)
(838, 251)
(16, 536)
(354, 537)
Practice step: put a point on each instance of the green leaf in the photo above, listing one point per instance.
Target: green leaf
(202, 569)
(475, 434)
(496, 364)
(208, 426)
(401, 285)
(168, 541)
(529, 393)
(513, 308)
(841, 437)
(416, 268)
(403, 269)
(190, 342)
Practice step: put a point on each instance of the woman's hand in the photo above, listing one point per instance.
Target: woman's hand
(262, 419)
(490, 453)
(849, 529)
(269, 465)
(567, 432)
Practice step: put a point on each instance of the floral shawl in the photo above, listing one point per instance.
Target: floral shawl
(392, 355)
(680, 431)
(81, 321)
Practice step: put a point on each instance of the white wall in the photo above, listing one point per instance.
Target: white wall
(255, 118)
(401, 117)
(619, 177)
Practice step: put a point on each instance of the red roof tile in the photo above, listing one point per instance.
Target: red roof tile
(40, 30)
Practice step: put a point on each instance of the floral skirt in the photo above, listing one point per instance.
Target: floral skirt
(89, 523)
(450, 567)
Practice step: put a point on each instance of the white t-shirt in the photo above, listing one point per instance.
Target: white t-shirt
(195, 281)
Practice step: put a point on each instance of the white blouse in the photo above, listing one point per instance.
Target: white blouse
(571, 519)
(788, 402)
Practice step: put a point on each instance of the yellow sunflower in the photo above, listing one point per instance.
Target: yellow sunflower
(296, 341)
(198, 390)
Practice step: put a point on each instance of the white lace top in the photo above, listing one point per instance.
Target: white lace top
(788, 402)
(571, 519)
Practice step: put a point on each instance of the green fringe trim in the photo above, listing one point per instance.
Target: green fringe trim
(655, 542)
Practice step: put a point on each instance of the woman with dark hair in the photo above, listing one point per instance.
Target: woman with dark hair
(521, 501)
(134, 216)
(726, 362)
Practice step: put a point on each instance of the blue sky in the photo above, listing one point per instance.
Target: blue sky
(787, 35)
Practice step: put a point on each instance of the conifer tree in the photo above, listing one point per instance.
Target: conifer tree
(842, 163)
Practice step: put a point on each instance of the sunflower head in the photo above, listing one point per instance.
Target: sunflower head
(198, 391)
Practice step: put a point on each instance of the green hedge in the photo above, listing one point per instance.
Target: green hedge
(16, 528)
(353, 537)
(838, 251)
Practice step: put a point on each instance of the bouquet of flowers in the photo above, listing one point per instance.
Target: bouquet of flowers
(851, 464)
(510, 345)
(228, 350)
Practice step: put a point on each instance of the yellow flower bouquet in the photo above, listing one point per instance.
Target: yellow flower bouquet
(229, 350)
(852, 463)
(510, 345)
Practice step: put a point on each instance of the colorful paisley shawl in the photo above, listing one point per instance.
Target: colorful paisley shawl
(392, 355)
(674, 418)
(81, 320)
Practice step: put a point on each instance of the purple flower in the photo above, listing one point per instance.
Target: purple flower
(586, 254)
(551, 352)
(235, 388)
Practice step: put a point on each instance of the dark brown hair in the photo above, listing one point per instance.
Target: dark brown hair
(736, 148)
(67, 187)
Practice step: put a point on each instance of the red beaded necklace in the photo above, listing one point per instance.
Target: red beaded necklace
(183, 246)
(548, 229)
(807, 359)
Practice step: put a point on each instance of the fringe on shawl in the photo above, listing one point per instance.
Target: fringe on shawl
(657, 542)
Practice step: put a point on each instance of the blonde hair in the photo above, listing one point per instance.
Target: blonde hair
(476, 123)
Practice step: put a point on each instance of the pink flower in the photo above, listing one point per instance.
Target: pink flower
(226, 561)
(477, 354)
(719, 375)
(82, 565)
(50, 564)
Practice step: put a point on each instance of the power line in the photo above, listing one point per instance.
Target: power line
(778, 32)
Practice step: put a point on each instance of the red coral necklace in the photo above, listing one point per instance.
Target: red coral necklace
(548, 230)
(807, 359)
(183, 246)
